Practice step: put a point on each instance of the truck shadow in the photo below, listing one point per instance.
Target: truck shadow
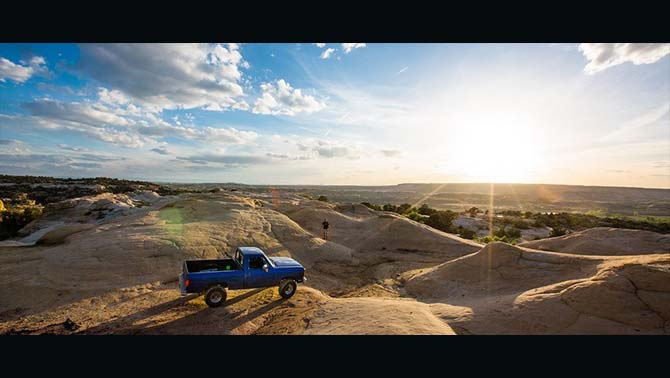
(214, 321)
(197, 319)
(127, 321)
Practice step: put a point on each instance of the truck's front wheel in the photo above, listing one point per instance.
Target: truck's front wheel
(215, 296)
(287, 288)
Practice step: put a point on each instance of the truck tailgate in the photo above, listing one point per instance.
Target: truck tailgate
(182, 287)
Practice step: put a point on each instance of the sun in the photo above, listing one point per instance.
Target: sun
(494, 148)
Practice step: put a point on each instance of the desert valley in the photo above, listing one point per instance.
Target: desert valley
(106, 262)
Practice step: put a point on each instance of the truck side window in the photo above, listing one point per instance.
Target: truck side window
(255, 262)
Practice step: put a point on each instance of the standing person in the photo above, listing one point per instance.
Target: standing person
(325, 229)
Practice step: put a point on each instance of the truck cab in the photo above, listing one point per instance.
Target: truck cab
(248, 268)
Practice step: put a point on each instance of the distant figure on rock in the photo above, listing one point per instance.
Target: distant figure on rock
(325, 229)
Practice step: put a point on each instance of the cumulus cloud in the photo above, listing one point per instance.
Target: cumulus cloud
(327, 53)
(605, 55)
(281, 99)
(113, 119)
(320, 45)
(88, 114)
(20, 73)
(349, 47)
(169, 75)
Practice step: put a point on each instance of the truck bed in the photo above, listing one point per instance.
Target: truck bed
(197, 266)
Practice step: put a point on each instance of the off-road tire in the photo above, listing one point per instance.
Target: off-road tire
(287, 288)
(215, 296)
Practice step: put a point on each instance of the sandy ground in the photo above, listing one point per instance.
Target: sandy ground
(377, 274)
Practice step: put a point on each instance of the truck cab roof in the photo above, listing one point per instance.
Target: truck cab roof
(251, 251)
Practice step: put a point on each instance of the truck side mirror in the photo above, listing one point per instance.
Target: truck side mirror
(265, 267)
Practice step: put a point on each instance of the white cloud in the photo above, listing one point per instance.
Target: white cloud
(162, 150)
(230, 160)
(391, 153)
(83, 113)
(327, 53)
(320, 45)
(282, 99)
(348, 47)
(19, 73)
(114, 97)
(329, 148)
(605, 55)
(115, 120)
(67, 147)
(287, 156)
(169, 76)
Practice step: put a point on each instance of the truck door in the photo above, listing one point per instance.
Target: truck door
(255, 275)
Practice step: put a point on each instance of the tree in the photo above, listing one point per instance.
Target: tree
(323, 198)
(371, 206)
(442, 220)
(473, 211)
(426, 210)
(404, 208)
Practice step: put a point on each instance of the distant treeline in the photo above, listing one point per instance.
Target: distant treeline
(509, 223)
(37, 187)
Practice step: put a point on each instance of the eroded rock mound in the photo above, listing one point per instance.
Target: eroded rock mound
(496, 269)
(362, 229)
(605, 241)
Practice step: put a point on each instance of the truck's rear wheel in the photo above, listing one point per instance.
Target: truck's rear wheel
(215, 296)
(287, 288)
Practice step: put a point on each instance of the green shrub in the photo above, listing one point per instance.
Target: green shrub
(15, 218)
(557, 231)
(442, 220)
(466, 233)
(492, 238)
(415, 216)
(426, 210)
(371, 206)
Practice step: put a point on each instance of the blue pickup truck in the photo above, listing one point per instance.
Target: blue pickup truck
(249, 268)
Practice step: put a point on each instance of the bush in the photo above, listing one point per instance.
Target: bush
(520, 224)
(323, 199)
(466, 233)
(492, 238)
(15, 218)
(473, 211)
(415, 216)
(371, 206)
(507, 232)
(557, 231)
(442, 220)
(426, 210)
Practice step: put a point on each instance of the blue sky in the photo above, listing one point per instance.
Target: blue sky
(331, 113)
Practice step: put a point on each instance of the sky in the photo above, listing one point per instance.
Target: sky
(338, 113)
